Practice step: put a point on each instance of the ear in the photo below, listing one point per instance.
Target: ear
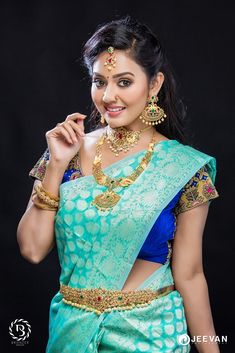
(156, 84)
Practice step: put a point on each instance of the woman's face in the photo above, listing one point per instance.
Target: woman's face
(124, 87)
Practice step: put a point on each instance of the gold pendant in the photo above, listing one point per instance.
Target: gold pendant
(106, 200)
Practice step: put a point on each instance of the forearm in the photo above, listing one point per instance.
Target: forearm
(198, 312)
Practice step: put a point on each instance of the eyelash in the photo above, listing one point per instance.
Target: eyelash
(99, 80)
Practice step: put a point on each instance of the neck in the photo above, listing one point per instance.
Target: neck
(146, 131)
(129, 128)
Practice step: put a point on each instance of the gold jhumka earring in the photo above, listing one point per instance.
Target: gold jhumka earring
(102, 120)
(152, 113)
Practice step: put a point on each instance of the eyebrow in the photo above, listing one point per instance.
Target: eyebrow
(117, 75)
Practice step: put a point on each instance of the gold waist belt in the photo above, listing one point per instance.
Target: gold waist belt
(103, 300)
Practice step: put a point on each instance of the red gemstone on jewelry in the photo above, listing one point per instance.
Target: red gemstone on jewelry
(209, 189)
(110, 60)
(99, 298)
(120, 135)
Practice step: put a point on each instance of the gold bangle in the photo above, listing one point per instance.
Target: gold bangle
(47, 200)
(42, 205)
(43, 190)
(44, 197)
(53, 197)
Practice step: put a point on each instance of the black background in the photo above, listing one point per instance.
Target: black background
(42, 82)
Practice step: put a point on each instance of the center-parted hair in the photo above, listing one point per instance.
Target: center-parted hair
(143, 46)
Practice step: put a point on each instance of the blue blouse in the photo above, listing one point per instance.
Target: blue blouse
(158, 244)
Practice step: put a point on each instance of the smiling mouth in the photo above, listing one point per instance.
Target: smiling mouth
(112, 110)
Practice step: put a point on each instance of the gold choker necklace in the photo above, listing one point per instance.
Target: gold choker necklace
(121, 139)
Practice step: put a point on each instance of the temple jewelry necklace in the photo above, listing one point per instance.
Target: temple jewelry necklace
(108, 199)
(121, 139)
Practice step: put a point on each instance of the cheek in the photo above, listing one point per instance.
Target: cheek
(96, 95)
(137, 95)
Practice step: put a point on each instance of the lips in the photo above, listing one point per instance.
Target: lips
(113, 111)
(114, 108)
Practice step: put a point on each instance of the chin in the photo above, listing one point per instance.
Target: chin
(115, 123)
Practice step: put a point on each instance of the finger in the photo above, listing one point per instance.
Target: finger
(65, 133)
(80, 122)
(76, 116)
(70, 130)
(79, 118)
(79, 129)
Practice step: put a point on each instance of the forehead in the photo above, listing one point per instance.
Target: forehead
(124, 63)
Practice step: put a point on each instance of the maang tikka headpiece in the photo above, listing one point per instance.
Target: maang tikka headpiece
(110, 61)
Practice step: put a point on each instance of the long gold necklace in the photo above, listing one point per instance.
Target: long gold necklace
(121, 139)
(108, 199)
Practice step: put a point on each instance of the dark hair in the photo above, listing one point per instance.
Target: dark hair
(144, 47)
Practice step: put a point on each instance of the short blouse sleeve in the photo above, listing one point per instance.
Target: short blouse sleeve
(39, 169)
(72, 171)
(197, 191)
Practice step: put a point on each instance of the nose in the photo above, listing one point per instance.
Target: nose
(109, 95)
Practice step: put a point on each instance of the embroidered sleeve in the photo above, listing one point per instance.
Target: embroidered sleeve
(39, 169)
(197, 191)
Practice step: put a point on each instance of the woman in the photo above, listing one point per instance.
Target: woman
(128, 202)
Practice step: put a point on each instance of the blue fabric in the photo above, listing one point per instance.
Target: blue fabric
(68, 173)
(155, 247)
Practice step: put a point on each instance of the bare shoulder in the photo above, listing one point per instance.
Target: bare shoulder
(160, 137)
(91, 138)
(95, 133)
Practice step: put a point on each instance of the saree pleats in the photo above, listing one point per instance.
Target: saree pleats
(153, 329)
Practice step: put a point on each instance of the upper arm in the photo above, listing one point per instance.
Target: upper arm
(37, 172)
(187, 245)
(36, 182)
(191, 213)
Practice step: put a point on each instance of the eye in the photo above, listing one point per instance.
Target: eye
(125, 83)
(98, 82)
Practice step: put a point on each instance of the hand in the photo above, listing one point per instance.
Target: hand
(65, 140)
